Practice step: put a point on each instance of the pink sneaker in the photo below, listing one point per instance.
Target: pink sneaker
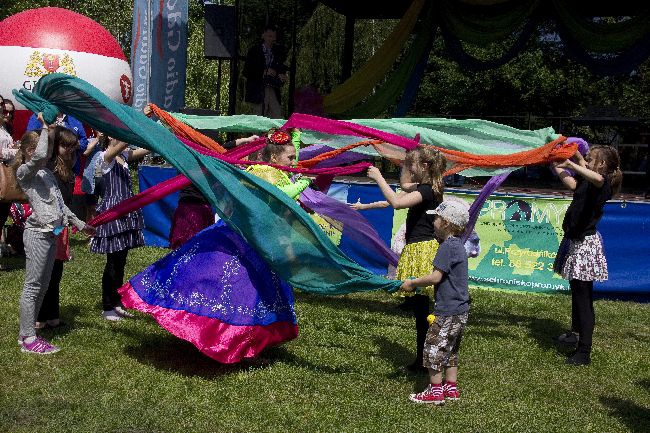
(450, 391)
(39, 346)
(431, 395)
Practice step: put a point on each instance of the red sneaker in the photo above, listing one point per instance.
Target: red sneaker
(450, 391)
(431, 395)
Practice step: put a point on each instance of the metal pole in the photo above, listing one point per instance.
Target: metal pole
(218, 108)
(292, 71)
(348, 48)
(234, 67)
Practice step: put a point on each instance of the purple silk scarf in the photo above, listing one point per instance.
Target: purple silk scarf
(344, 158)
(355, 226)
(477, 205)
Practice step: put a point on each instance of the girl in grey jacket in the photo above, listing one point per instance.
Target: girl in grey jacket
(49, 216)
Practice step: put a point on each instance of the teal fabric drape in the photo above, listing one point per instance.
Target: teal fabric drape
(277, 227)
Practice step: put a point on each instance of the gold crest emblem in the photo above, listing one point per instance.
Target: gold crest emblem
(40, 64)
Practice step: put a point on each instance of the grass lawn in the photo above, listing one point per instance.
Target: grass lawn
(341, 374)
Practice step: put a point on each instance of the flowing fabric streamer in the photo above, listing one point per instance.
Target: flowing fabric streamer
(284, 235)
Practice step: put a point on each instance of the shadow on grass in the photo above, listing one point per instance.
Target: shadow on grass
(481, 322)
(395, 353)
(634, 416)
(542, 330)
(280, 354)
(12, 263)
(385, 306)
(68, 315)
(166, 352)
(399, 356)
(645, 384)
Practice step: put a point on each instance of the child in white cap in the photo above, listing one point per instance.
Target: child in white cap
(451, 303)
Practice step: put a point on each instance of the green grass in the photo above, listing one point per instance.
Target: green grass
(341, 374)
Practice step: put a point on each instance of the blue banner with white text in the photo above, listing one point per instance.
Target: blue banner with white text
(141, 52)
(168, 53)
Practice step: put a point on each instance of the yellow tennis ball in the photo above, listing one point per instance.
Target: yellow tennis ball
(431, 318)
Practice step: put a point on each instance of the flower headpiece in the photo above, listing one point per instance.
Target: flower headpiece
(282, 137)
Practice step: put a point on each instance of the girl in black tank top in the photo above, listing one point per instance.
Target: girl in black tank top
(425, 166)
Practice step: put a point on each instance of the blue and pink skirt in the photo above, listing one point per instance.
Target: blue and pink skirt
(216, 292)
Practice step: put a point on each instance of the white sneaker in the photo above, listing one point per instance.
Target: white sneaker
(123, 313)
(111, 315)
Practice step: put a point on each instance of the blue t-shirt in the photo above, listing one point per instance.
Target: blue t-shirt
(73, 125)
(452, 293)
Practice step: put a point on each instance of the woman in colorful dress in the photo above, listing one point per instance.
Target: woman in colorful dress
(215, 291)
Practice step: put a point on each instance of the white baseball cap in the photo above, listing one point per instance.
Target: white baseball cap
(454, 211)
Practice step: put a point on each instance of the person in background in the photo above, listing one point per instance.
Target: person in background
(91, 176)
(194, 212)
(265, 74)
(8, 150)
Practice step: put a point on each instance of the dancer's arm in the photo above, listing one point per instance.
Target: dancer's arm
(138, 153)
(92, 143)
(373, 205)
(111, 153)
(294, 189)
(569, 181)
(397, 201)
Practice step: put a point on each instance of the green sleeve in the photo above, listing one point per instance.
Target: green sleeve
(293, 190)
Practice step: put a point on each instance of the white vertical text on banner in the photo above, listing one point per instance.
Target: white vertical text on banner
(141, 52)
(168, 53)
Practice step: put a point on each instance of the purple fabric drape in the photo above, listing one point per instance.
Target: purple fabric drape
(477, 205)
(344, 158)
(355, 226)
(583, 146)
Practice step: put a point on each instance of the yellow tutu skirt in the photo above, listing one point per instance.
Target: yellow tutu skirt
(417, 261)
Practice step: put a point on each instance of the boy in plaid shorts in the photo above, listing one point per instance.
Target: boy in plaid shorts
(452, 303)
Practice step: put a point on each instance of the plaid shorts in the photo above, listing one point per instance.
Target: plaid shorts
(443, 341)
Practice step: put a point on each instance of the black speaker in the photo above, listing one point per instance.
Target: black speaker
(219, 38)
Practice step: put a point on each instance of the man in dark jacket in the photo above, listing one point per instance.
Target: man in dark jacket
(265, 74)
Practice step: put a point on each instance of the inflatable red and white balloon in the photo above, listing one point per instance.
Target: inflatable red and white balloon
(37, 42)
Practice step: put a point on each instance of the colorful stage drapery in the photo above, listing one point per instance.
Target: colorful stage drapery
(606, 45)
(361, 83)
